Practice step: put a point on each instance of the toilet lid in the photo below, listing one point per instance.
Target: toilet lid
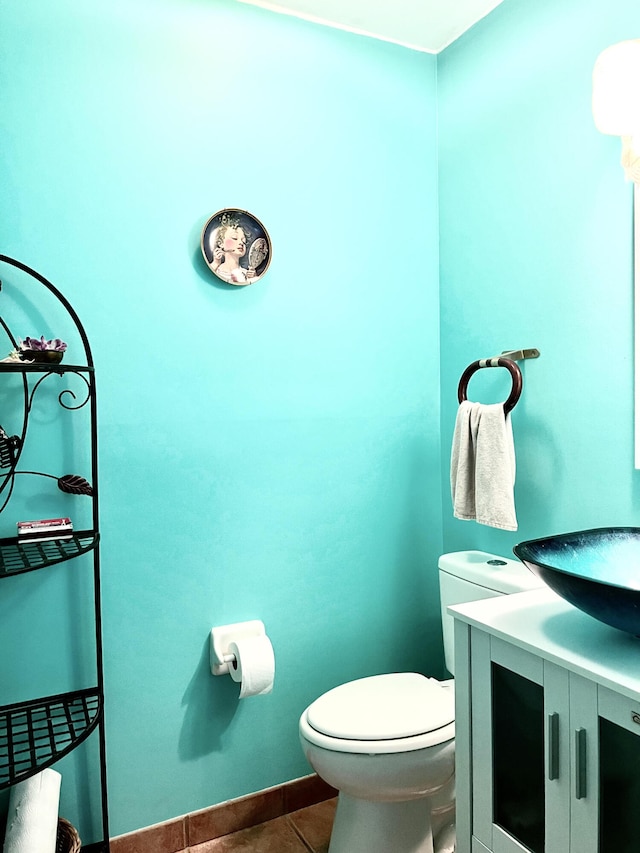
(383, 707)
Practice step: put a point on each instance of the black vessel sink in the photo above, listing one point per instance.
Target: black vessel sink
(598, 571)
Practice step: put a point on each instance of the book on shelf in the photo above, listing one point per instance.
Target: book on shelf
(44, 529)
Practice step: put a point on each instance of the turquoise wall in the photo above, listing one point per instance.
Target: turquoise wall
(267, 452)
(281, 451)
(536, 251)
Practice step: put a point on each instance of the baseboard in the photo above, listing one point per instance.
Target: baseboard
(175, 835)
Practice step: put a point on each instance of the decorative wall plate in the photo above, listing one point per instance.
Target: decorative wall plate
(236, 246)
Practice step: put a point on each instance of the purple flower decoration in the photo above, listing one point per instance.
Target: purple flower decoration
(35, 344)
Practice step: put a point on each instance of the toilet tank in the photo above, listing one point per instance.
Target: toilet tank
(472, 575)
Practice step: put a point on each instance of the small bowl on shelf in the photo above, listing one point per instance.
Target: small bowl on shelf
(42, 356)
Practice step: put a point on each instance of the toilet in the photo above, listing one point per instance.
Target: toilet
(386, 742)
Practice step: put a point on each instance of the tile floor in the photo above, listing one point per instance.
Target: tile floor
(304, 831)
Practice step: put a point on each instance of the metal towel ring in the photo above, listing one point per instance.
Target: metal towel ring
(511, 366)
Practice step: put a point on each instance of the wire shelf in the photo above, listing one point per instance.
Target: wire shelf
(42, 367)
(34, 735)
(17, 557)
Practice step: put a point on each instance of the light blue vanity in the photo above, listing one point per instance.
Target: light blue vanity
(547, 729)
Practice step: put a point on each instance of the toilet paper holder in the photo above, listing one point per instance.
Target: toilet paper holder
(220, 657)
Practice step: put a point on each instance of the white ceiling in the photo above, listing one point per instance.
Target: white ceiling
(427, 25)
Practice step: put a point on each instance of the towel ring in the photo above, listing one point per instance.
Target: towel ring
(511, 366)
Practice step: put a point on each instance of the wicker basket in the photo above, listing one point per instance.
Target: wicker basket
(67, 839)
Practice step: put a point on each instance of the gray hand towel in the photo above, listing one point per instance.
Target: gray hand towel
(483, 466)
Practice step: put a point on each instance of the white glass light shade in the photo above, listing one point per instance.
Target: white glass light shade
(616, 100)
(616, 89)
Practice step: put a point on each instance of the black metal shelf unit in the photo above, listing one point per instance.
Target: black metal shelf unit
(17, 557)
(37, 733)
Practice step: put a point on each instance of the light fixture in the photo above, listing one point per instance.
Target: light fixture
(615, 101)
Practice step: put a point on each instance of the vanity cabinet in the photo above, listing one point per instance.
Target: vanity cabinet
(547, 729)
(49, 419)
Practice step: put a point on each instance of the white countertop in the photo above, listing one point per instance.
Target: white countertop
(543, 623)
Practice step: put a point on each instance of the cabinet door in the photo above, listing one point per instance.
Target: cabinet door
(520, 750)
(583, 738)
(557, 748)
(618, 773)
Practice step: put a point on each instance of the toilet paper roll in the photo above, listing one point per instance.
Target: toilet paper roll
(255, 665)
(32, 820)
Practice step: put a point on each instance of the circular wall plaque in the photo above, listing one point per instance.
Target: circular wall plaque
(236, 246)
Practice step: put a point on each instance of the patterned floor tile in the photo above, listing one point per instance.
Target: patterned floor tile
(314, 824)
(274, 836)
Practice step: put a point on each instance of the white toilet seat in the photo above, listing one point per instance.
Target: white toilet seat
(397, 712)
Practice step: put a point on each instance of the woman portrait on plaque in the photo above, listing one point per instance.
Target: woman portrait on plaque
(236, 247)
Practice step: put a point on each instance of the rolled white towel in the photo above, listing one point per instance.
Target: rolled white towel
(32, 821)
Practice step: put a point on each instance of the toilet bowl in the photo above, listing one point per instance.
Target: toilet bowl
(386, 742)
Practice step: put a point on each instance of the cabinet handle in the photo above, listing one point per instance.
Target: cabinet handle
(553, 746)
(581, 763)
